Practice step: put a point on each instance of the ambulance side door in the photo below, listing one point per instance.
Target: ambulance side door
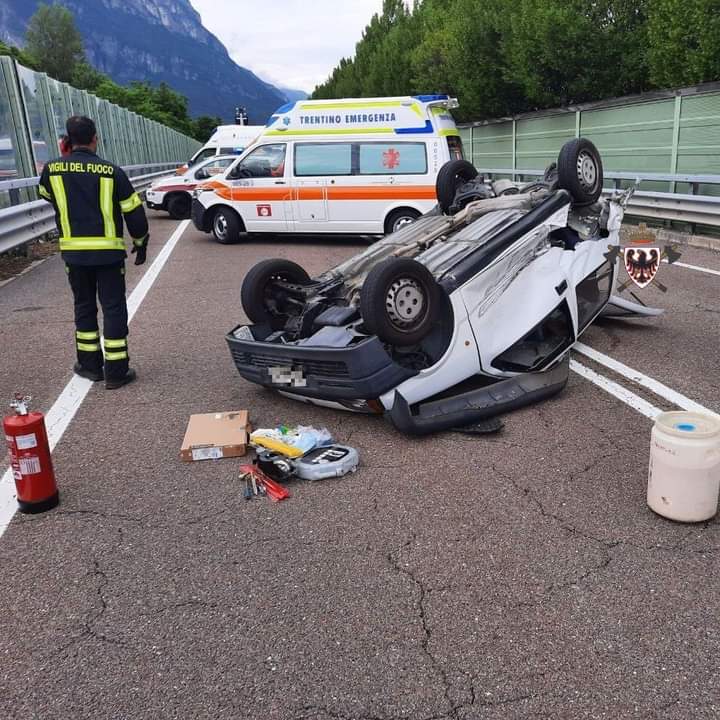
(260, 189)
(317, 167)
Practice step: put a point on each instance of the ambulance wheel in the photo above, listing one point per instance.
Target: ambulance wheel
(400, 301)
(452, 175)
(580, 171)
(260, 301)
(398, 219)
(179, 206)
(226, 226)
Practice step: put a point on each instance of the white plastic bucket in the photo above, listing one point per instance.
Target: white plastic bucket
(684, 475)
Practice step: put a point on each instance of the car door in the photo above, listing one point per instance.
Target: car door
(259, 189)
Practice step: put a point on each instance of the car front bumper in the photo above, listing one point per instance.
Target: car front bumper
(362, 371)
(198, 213)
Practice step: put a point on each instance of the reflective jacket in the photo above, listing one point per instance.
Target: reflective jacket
(91, 197)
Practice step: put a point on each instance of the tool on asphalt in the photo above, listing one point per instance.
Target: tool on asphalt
(273, 490)
(684, 473)
(327, 462)
(248, 489)
(254, 485)
(30, 459)
(275, 466)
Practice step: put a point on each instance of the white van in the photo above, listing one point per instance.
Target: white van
(226, 140)
(334, 166)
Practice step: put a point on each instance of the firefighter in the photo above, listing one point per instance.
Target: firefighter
(91, 198)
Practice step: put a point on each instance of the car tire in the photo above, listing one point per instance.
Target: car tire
(179, 206)
(254, 295)
(452, 175)
(399, 218)
(400, 301)
(580, 171)
(226, 226)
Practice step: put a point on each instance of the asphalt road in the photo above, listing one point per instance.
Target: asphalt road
(518, 575)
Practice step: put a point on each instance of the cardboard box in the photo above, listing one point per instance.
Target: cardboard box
(216, 435)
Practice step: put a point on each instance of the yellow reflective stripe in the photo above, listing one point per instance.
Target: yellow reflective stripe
(115, 343)
(358, 105)
(139, 242)
(106, 205)
(87, 335)
(87, 347)
(451, 132)
(130, 203)
(44, 193)
(116, 355)
(91, 243)
(58, 188)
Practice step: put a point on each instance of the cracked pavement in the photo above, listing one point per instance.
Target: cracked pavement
(515, 575)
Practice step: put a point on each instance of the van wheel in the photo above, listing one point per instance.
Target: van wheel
(179, 206)
(226, 226)
(451, 176)
(400, 301)
(263, 304)
(399, 218)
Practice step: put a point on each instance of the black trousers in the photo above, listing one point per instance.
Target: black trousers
(106, 283)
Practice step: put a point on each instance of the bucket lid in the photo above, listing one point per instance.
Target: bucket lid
(691, 425)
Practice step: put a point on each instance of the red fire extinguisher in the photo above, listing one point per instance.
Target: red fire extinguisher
(30, 458)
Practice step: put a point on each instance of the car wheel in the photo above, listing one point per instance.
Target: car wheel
(399, 301)
(398, 219)
(259, 302)
(179, 206)
(580, 171)
(226, 226)
(452, 175)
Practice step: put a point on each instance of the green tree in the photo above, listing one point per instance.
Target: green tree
(683, 41)
(86, 77)
(204, 126)
(22, 57)
(53, 41)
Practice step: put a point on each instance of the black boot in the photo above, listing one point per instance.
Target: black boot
(94, 375)
(112, 383)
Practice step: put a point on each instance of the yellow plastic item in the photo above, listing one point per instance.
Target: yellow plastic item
(276, 445)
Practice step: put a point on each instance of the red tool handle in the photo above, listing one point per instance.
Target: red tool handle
(273, 489)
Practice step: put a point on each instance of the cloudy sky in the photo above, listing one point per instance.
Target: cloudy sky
(291, 43)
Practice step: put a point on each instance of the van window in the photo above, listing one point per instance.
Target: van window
(203, 155)
(264, 161)
(392, 158)
(455, 147)
(323, 159)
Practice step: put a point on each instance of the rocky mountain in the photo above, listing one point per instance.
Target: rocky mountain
(158, 41)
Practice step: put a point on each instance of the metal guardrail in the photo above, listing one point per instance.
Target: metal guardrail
(28, 221)
(689, 208)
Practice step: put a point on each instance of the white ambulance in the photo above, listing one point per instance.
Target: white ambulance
(334, 166)
(226, 140)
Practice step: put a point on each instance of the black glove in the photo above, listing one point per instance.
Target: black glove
(140, 251)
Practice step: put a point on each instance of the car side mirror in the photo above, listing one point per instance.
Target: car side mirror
(202, 174)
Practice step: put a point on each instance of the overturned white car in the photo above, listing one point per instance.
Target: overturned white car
(467, 313)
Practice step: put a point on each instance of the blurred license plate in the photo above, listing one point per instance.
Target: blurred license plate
(286, 375)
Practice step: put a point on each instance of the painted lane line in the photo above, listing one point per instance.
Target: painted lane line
(645, 381)
(64, 408)
(694, 267)
(616, 390)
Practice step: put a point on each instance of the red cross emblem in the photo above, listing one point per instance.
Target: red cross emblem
(391, 158)
(264, 210)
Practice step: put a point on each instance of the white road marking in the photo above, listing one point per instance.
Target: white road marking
(694, 267)
(617, 390)
(64, 408)
(645, 381)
